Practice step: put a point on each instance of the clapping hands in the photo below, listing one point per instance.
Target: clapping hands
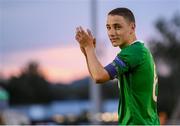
(85, 39)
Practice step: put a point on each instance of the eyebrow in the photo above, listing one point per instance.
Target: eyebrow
(116, 24)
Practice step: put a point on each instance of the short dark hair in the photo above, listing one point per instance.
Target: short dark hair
(124, 12)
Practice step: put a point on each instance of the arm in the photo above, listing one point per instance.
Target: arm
(98, 73)
(84, 52)
(87, 44)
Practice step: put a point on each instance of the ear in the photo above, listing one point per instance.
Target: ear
(133, 27)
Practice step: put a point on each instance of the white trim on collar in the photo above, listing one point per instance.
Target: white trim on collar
(137, 41)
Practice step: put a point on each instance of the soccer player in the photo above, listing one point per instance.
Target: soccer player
(133, 67)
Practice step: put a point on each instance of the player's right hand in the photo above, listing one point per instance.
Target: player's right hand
(85, 39)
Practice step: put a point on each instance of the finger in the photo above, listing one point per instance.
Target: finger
(89, 33)
(77, 30)
(78, 38)
(82, 30)
(77, 33)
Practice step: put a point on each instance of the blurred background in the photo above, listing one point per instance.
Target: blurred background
(43, 75)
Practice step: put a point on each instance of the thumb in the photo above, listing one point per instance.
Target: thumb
(94, 42)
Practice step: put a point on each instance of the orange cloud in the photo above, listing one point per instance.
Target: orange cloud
(60, 64)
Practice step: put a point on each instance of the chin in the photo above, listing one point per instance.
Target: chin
(115, 45)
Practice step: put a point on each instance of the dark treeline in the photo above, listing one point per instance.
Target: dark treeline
(31, 87)
(166, 51)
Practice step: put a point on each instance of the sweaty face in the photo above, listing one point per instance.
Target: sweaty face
(119, 30)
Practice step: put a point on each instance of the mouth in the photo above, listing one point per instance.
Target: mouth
(113, 39)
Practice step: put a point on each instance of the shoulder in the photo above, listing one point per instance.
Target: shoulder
(134, 54)
(134, 49)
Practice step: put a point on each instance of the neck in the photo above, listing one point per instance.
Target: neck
(129, 42)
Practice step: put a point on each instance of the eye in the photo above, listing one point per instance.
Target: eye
(108, 28)
(117, 27)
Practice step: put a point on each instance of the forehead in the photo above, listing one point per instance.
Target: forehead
(115, 19)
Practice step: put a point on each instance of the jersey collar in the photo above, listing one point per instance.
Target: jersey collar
(133, 43)
(137, 41)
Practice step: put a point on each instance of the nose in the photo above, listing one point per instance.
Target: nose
(112, 32)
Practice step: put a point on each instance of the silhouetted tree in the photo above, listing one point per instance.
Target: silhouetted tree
(166, 51)
(29, 87)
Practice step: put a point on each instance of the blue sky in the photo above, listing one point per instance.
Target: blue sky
(26, 24)
(31, 25)
(40, 23)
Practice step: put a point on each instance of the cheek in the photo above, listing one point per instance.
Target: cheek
(129, 30)
(108, 33)
(121, 33)
(126, 33)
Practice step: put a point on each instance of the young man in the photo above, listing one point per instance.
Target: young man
(133, 67)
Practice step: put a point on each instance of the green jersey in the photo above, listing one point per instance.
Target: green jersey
(137, 81)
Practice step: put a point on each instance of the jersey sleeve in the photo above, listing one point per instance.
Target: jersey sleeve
(125, 61)
(114, 67)
(132, 57)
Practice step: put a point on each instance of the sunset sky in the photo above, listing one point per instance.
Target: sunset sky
(43, 31)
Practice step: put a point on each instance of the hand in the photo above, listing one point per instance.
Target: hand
(83, 50)
(85, 38)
